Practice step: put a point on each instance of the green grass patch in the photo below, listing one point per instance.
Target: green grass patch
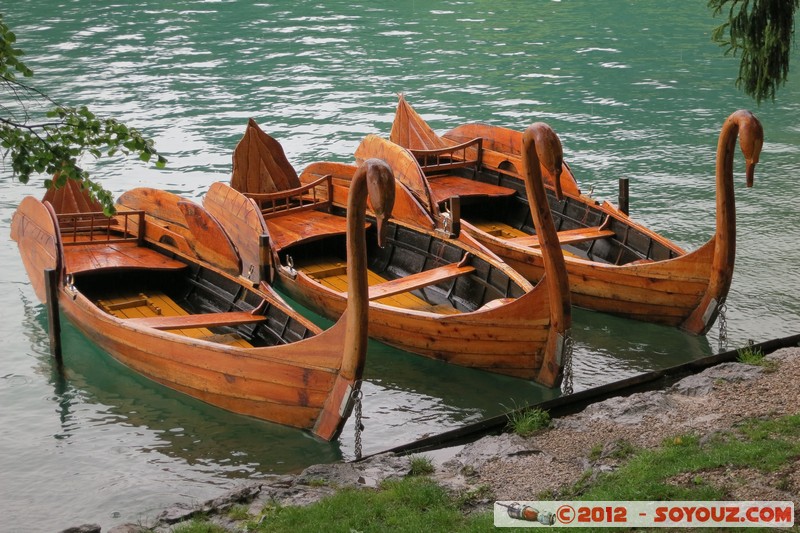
(417, 503)
(526, 422)
(750, 355)
(238, 512)
(421, 465)
(410, 505)
(762, 444)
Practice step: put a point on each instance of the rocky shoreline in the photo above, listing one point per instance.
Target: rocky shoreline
(502, 467)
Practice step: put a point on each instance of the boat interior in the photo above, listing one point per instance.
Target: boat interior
(107, 260)
(583, 230)
(414, 270)
(194, 302)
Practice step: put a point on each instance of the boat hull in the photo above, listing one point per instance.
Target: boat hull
(238, 347)
(511, 336)
(230, 378)
(664, 292)
(623, 268)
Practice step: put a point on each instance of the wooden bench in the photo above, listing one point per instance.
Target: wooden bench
(292, 227)
(572, 236)
(447, 186)
(205, 320)
(98, 255)
(418, 280)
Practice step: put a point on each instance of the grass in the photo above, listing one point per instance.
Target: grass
(526, 422)
(750, 355)
(238, 512)
(421, 465)
(410, 505)
(766, 445)
(417, 503)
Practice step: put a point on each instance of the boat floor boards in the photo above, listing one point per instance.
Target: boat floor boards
(332, 273)
(159, 304)
(498, 229)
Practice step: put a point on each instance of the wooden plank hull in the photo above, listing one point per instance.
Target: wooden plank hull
(229, 378)
(509, 339)
(638, 274)
(641, 275)
(664, 292)
(279, 368)
(486, 317)
(512, 336)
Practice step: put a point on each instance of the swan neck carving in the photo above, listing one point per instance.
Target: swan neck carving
(373, 180)
(541, 146)
(744, 125)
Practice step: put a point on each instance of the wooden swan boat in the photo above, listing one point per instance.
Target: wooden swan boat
(141, 286)
(430, 294)
(615, 264)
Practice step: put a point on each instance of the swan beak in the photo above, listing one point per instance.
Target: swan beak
(750, 172)
(382, 227)
(381, 191)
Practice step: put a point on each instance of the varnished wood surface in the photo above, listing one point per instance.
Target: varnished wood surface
(205, 320)
(298, 384)
(292, 228)
(210, 241)
(34, 228)
(260, 165)
(124, 255)
(679, 292)
(508, 336)
(243, 223)
(445, 187)
(419, 280)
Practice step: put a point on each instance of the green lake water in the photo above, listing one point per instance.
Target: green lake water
(635, 89)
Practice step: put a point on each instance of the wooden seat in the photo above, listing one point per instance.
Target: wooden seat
(99, 255)
(418, 280)
(332, 273)
(292, 227)
(160, 309)
(572, 236)
(205, 320)
(447, 186)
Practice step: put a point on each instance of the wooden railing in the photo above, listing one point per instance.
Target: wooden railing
(96, 227)
(315, 195)
(468, 154)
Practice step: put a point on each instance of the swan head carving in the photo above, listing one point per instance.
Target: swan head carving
(751, 140)
(549, 151)
(381, 192)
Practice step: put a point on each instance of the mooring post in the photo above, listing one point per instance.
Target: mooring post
(53, 318)
(624, 199)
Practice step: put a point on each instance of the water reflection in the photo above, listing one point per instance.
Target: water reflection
(405, 397)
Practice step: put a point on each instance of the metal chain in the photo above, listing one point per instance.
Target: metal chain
(723, 326)
(359, 424)
(566, 383)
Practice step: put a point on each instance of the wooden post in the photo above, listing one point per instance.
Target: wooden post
(53, 318)
(264, 258)
(455, 214)
(624, 199)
